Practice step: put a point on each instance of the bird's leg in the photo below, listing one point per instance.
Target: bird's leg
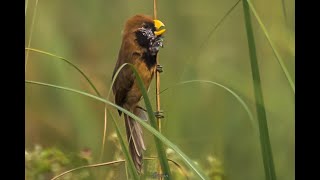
(159, 114)
(159, 68)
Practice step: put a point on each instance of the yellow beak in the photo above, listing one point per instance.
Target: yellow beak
(159, 27)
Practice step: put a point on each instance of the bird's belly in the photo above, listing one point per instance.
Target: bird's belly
(146, 75)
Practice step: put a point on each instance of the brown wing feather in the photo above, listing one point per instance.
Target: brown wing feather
(122, 87)
(125, 79)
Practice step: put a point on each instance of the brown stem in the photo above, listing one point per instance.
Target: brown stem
(157, 87)
(155, 9)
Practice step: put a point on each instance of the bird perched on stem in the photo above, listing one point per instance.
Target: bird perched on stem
(141, 41)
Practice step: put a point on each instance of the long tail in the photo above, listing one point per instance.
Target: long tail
(135, 139)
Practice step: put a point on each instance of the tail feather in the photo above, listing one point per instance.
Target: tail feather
(135, 140)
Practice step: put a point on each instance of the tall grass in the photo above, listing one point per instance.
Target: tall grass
(260, 108)
(275, 51)
(160, 148)
(145, 97)
(156, 133)
(161, 140)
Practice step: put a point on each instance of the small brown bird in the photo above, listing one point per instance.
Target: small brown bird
(141, 41)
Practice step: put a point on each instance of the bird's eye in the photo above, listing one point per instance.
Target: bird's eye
(144, 25)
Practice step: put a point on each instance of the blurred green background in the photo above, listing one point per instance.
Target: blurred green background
(201, 119)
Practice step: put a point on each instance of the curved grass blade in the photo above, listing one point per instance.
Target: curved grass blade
(182, 171)
(159, 146)
(283, 67)
(116, 162)
(183, 156)
(218, 25)
(206, 40)
(104, 132)
(110, 89)
(88, 80)
(105, 111)
(125, 151)
(70, 63)
(241, 101)
(31, 32)
(261, 113)
(87, 166)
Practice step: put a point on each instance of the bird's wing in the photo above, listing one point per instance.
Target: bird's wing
(126, 77)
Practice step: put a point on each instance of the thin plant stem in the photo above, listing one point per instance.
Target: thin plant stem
(157, 88)
(87, 166)
(31, 32)
(181, 169)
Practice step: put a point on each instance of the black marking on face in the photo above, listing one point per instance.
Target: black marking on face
(149, 59)
(142, 39)
(147, 39)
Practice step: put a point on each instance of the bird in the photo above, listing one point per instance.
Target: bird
(142, 38)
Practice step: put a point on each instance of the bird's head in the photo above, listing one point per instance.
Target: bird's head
(146, 31)
(138, 22)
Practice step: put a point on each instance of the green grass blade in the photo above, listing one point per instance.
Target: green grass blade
(115, 77)
(184, 157)
(87, 79)
(183, 172)
(68, 62)
(30, 35)
(179, 167)
(241, 101)
(261, 114)
(26, 7)
(130, 165)
(284, 10)
(283, 67)
(159, 146)
(105, 109)
(206, 40)
(85, 167)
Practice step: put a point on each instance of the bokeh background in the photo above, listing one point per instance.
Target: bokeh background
(203, 120)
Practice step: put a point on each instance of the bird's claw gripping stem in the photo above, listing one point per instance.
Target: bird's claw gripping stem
(159, 68)
(159, 114)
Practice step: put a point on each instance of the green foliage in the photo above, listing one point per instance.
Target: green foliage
(45, 163)
(164, 140)
(198, 120)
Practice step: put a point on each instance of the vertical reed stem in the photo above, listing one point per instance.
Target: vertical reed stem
(157, 88)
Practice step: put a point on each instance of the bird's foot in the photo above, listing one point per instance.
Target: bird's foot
(159, 68)
(159, 114)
